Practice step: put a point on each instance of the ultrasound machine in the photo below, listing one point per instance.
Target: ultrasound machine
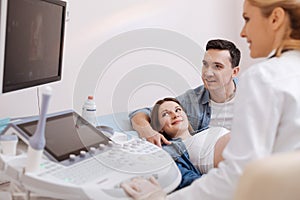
(78, 160)
(81, 162)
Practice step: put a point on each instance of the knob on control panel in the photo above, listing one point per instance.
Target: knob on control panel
(110, 143)
(72, 157)
(82, 153)
(101, 146)
(92, 149)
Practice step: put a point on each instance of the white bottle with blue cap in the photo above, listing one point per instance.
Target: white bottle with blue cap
(89, 111)
(37, 142)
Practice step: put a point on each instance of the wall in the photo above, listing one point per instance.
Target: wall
(129, 53)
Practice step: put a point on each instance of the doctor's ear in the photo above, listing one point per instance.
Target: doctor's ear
(277, 17)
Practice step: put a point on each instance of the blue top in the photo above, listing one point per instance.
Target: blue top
(178, 152)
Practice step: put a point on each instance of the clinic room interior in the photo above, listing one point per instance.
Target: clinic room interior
(90, 26)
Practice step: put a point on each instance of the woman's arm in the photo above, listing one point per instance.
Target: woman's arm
(219, 147)
(141, 123)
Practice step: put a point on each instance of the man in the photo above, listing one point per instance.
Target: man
(209, 104)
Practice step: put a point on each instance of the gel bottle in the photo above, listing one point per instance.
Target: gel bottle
(89, 111)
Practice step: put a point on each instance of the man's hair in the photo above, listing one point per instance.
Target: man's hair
(235, 53)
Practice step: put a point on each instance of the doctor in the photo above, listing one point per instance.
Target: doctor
(267, 107)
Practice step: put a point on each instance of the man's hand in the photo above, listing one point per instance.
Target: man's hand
(144, 189)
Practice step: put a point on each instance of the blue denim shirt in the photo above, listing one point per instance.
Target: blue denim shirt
(195, 103)
(178, 152)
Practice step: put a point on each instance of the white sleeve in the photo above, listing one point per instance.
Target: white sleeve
(256, 117)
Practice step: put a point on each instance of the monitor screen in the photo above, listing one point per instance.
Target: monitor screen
(66, 134)
(34, 35)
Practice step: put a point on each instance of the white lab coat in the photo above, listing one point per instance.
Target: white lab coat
(266, 121)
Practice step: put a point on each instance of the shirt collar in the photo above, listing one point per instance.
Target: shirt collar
(272, 54)
(205, 98)
(205, 95)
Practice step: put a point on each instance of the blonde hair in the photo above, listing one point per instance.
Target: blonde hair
(291, 38)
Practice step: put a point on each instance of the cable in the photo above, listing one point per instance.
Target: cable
(38, 99)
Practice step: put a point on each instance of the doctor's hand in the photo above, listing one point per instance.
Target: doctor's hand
(144, 189)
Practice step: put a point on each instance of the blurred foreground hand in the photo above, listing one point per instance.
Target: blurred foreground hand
(144, 189)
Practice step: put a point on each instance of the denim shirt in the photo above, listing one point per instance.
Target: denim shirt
(178, 152)
(195, 103)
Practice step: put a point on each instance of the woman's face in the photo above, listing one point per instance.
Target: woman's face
(258, 31)
(173, 119)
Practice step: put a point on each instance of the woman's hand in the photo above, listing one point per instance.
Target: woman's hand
(144, 189)
(158, 139)
(140, 123)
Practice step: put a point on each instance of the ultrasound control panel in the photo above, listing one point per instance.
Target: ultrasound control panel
(94, 172)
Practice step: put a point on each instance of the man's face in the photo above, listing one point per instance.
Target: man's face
(217, 72)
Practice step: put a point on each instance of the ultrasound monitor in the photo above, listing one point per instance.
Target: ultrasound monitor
(66, 134)
(31, 43)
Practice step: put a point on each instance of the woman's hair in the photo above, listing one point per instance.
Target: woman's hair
(155, 124)
(291, 38)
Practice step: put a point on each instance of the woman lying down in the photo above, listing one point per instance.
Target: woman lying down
(194, 153)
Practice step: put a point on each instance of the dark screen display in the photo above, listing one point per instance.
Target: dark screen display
(67, 134)
(34, 43)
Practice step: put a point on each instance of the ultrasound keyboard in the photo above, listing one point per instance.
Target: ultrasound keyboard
(80, 162)
(135, 157)
(100, 174)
